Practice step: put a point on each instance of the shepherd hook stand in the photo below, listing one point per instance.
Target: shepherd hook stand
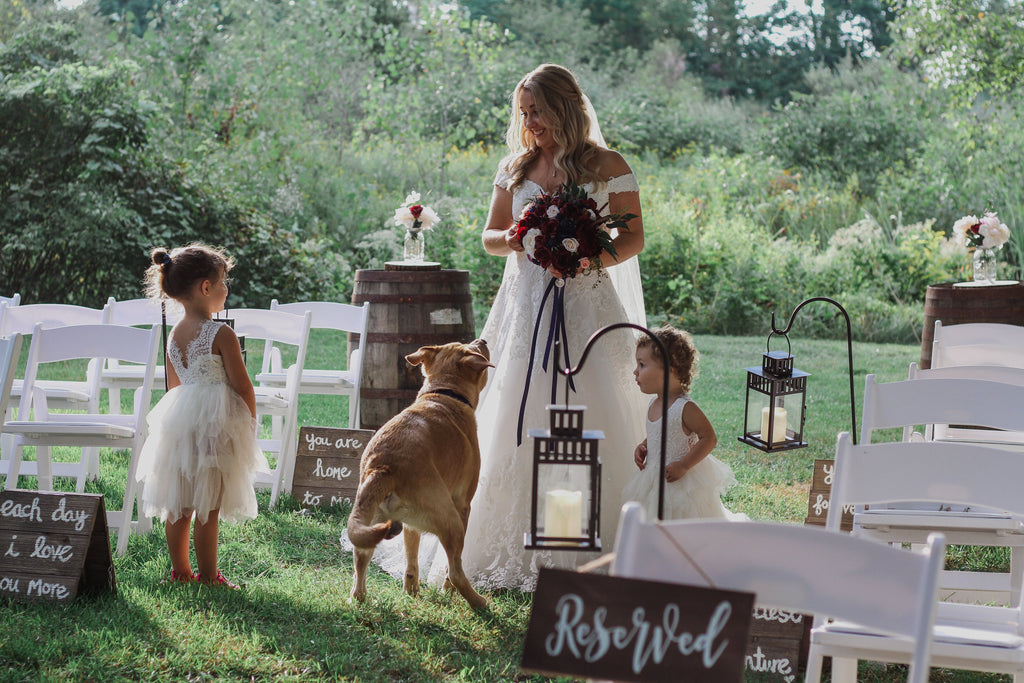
(570, 372)
(849, 350)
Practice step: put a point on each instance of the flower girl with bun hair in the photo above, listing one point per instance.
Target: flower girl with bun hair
(201, 456)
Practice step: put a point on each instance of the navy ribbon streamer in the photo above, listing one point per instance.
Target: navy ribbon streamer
(556, 330)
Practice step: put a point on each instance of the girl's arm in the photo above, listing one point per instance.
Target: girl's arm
(496, 238)
(226, 344)
(694, 421)
(640, 455)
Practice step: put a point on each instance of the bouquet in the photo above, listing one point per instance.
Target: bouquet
(414, 216)
(985, 233)
(566, 230)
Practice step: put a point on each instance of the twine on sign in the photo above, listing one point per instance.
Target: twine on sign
(685, 554)
(596, 564)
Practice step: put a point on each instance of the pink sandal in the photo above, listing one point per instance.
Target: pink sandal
(179, 578)
(221, 581)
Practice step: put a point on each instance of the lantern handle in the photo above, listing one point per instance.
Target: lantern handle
(768, 344)
(569, 372)
(849, 348)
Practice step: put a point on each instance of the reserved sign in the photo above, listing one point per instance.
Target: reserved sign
(327, 465)
(53, 545)
(609, 627)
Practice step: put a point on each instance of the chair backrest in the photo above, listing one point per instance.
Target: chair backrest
(274, 327)
(141, 312)
(23, 319)
(57, 344)
(946, 473)
(11, 300)
(978, 344)
(10, 349)
(960, 401)
(799, 568)
(330, 315)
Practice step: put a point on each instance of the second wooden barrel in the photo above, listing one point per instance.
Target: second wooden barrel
(982, 304)
(408, 309)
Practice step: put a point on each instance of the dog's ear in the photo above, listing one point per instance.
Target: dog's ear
(476, 362)
(422, 355)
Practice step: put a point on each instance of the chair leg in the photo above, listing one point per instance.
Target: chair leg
(844, 670)
(13, 468)
(128, 506)
(814, 662)
(115, 400)
(44, 468)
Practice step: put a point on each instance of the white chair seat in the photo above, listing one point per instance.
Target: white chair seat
(74, 430)
(129, 375)
(57, 393)
(312, 382)
(268, 403)
(883, 520)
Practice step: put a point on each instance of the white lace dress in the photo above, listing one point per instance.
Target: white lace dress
(494, 556)
(201, 452)
(698, 493)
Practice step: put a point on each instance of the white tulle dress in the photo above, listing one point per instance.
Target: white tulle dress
(698, 492)
(494, 556)
(201, 452)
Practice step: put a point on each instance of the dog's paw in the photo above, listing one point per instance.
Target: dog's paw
(411, 584)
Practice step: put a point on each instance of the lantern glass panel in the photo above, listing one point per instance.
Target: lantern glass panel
(564, 497)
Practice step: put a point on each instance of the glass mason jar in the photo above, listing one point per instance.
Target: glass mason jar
(413, 252)
(984, 262)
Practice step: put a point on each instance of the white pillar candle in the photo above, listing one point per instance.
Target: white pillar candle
(778, 425)
(563, 513)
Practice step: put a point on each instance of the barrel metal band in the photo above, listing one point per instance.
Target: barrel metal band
(414, 298)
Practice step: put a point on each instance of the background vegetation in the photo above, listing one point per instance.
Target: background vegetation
(783, 155)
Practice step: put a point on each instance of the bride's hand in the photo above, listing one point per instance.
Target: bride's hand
(513, 242)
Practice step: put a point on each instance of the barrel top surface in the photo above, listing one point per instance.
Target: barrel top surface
(444, 275)
(1000, 288)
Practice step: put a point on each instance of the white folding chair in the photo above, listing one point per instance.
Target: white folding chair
(799, 568)
(277, 327)
(63, 394)
(11, 300)
(924, 401)
(978, 344)
(115, 375)
(10, 349)
(327, 315)
(45, 429)
(965, 636)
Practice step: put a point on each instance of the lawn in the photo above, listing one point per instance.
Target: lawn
(292, 620)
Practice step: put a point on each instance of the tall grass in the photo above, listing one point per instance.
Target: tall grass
(292, 621)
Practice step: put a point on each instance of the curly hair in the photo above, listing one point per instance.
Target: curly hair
(560, 99)
(173, 273)
(682, 354)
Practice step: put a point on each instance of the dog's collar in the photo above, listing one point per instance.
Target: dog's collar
(453, 394)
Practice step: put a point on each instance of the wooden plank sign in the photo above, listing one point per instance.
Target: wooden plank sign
(53, 545)
(609, 627)
(327, 465)
(820, 496)
(776, 639)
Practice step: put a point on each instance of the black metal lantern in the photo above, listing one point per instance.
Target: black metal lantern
(776, 393)
(566, 493)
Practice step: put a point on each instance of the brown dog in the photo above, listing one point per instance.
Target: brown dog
(421, 468)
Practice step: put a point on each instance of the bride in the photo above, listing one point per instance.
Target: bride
(553, 139)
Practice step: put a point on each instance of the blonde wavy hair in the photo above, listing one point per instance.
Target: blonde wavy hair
(560, 100)
(682, 353)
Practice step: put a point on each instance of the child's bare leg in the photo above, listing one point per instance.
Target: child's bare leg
(205, 538)
(177, 544)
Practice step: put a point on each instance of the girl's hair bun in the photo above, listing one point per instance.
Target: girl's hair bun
(160, 256)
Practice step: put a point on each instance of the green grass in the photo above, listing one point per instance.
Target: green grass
(293, 621)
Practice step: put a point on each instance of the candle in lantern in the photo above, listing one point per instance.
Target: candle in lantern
(563, 513)
(778, 425)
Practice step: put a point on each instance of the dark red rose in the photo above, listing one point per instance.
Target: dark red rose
(416, 210)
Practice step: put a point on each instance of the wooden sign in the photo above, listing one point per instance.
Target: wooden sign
(609, 627)
(776, 640)
(327, 465)
(53, 545)
(820, 496)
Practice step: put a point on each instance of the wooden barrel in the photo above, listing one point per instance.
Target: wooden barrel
(955, 305)
(409, 308)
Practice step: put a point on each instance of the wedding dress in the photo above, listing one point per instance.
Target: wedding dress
(494, 556)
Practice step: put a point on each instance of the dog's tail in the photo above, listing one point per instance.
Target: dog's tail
(372, 492)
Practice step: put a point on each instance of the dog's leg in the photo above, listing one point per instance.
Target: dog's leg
(411, 582)
(361, 559)
(453, 539)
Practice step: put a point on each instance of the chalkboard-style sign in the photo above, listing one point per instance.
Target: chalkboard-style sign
(609, 627)
(820, 497)
(53, 546)
(775, 645)
(327, 465)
